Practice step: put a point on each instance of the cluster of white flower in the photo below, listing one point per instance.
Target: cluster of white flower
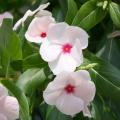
(61, 46)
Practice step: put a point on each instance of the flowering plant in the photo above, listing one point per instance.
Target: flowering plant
(57, 61)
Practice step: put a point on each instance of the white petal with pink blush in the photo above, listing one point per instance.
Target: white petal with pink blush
(71, 92)
(5, 15)
(9, 107)
(39, 11)
(63, 48)
(38, 29)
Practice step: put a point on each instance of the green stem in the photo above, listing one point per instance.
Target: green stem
(7, 69)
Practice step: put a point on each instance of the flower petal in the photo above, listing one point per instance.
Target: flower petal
(82, 75)
(23, 19)
(85, 89)
(43, 13)
(64, 78)
(56, 31)
(5, 15)
(8, 15)
(64, 63)
(11, 108)
(69, 104)
(73, 33)
(77, 54)
(86, 112)
(42, 7)
(3, 117)
(49, 96)
(49, 52)
(37, 26)
(3, 91)
(54, 89)
(29, 13)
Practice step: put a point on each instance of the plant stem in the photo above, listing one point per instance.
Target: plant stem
(7, 69)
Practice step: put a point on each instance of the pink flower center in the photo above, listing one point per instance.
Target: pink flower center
(67, 48)
(69, 89)
(43, 34)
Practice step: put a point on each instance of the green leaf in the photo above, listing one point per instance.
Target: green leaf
(33, 61)
(71, 12)
(24, 107)
(9, 41)
(89, 15)
(33, 79)
(63, 6)
(110, 51)
(17, 65)
(104, 109)
(106, 77)
(10, 47)
(114, 10)
(95, 112)
(58, 14)
(54, 114)
(28, 49)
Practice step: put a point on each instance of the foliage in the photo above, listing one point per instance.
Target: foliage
(26, 75)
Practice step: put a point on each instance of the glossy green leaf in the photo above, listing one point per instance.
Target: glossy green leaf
(110, 51)
(57, 14)
(89, 15)
(71, 12)
(24, 107)
(54, 114)
(33, 79)
(103, 109)
(33, 61)
(10, 47)
(106, 77)
(63, 6)
(28, 49)
(9, 41)
(114, 10)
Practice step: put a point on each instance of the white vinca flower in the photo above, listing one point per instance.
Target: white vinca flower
(38, 29)
(39, 12)
(71, 92)
(63, 47)
(9, 107)
(5, 15)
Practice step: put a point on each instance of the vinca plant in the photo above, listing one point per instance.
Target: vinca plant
(59, 60)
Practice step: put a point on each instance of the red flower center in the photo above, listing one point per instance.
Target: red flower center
(43, 34)
(69, 88)
(67, 48)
